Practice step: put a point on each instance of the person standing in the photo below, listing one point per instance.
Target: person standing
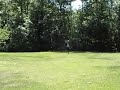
(67, 42)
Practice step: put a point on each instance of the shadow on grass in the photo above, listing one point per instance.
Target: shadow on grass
(102, 58)
(108, 67)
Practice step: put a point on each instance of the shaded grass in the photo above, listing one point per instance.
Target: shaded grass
(59, 71)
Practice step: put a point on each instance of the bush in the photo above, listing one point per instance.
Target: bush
(4, 37)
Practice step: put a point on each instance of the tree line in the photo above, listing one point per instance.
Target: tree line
(42, 25)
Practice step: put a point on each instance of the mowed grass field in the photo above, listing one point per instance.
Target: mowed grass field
(59, 71)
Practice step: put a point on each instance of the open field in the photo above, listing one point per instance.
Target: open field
(59, 71)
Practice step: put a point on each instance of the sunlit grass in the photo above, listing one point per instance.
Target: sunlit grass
(59, 71)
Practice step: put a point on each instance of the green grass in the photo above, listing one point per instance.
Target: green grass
(59, 71)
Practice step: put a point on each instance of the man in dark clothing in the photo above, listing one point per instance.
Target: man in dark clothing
(67, 43)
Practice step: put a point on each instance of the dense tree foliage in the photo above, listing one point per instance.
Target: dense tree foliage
(37, 25)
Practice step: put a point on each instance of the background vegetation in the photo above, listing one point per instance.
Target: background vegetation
(39, 25)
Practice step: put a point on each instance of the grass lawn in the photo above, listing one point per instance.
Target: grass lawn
(59, 71)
